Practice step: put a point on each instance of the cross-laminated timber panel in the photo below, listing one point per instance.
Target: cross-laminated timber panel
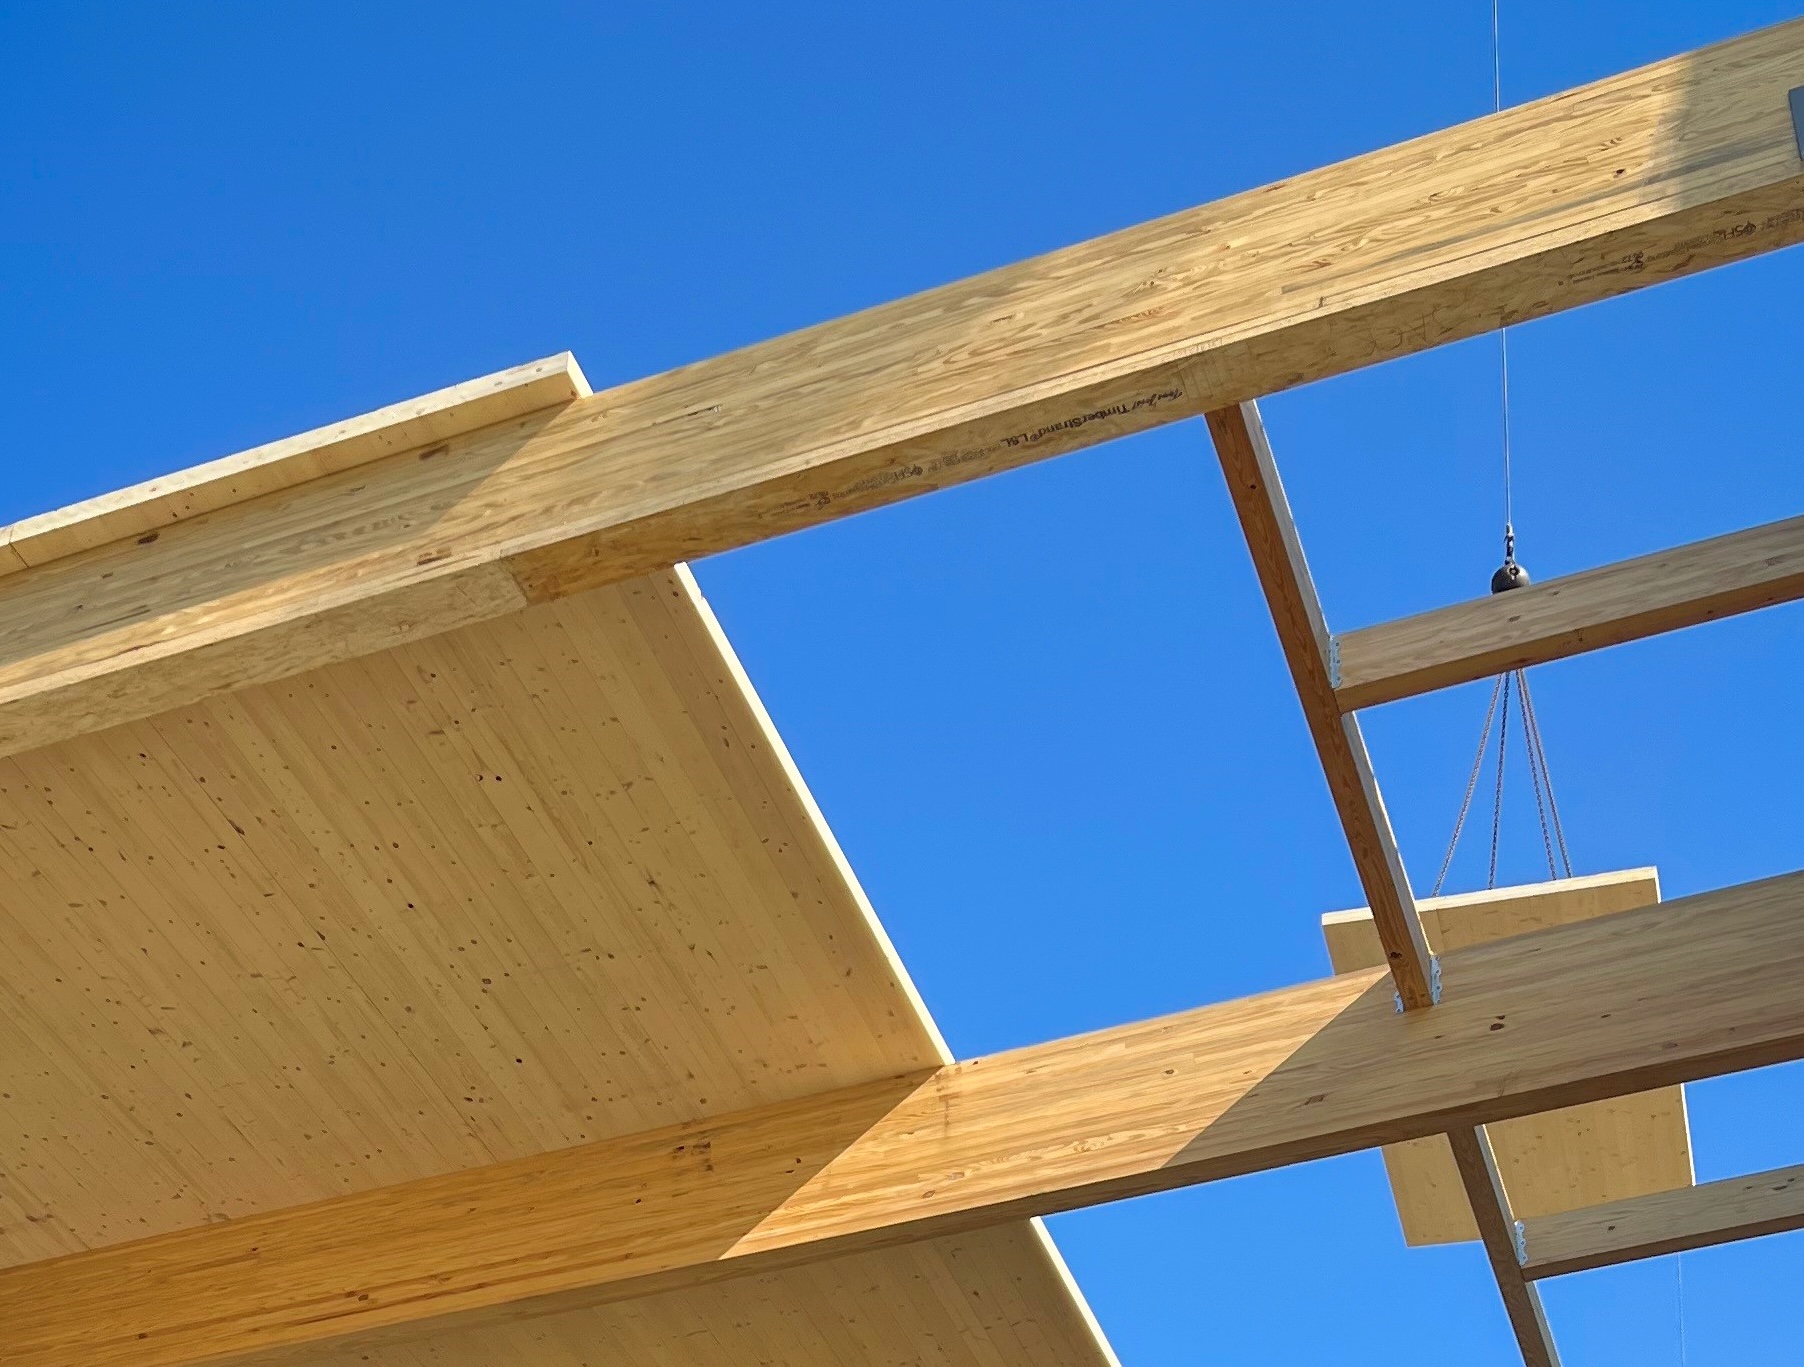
(537, 882)
(1562, 1161)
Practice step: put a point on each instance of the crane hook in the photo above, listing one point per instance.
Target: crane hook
(1509, 575)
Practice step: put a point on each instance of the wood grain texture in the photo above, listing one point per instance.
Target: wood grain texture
(1566, 1159)
(150, 507)
(1490, 1206)
(1461, 920)
(546, 880)
(1693, 987)
(1271, 535)
(1667, 1222)
(1667, 591)
(1560, 1160)
(967, 1301)
(1682, 165)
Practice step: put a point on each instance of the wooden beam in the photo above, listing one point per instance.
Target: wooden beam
(150, 507)
(1699, 986)
(1277, 551)
(1497, 1230)
(1682, 165)
(1271, 533)
(1561, 1160)
(1666, 1222)
(1668, 591)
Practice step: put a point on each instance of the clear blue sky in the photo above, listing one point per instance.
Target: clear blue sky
(1045, 714)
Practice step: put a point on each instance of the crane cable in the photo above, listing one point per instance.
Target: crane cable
(1503, 332)
(1509, 577)
(1512, 685)
(1510, 689)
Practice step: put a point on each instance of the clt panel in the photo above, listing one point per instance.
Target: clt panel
(539, 883)
(1564, 1160)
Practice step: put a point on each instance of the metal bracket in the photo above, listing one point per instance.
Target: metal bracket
(1334, 641)
(1434, 986)
(1520, 1231)
(1797, 116)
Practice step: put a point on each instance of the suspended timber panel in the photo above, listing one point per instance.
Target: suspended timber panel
(1560, 1161)
(545, 880)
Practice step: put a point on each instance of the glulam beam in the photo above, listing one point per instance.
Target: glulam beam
(1562, 1160)
(145, 510)
(1667, 591)
(1277, 551)
(1646, 998)
(1676, 167)
(1497, 1232)
(1246, 460)
(1664, 1222)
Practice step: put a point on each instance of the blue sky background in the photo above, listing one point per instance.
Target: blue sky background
(1045, 714)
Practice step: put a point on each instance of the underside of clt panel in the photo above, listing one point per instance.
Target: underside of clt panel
(531, 884)
(1602, 1007)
